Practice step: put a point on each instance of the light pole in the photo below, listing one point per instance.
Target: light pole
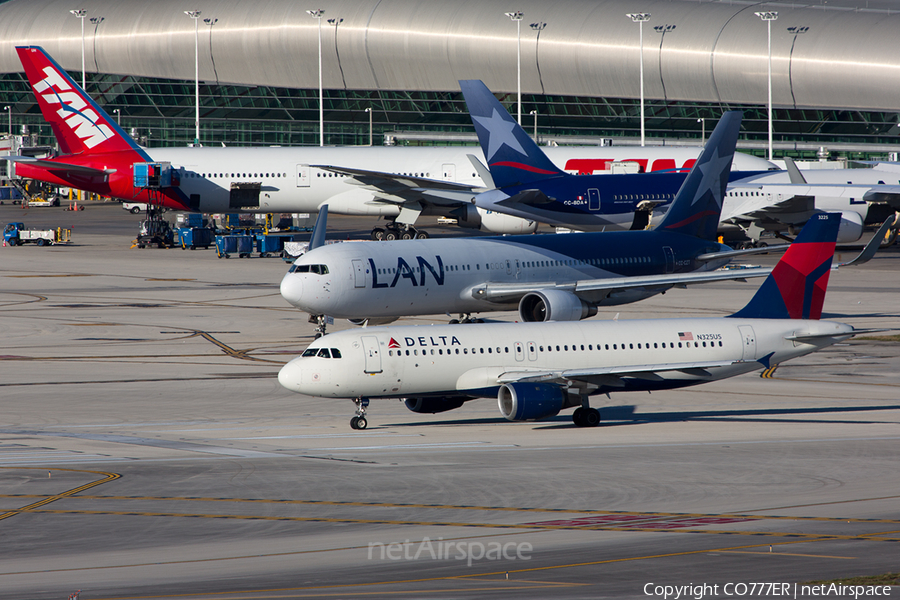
(539, 27)
(8, 109)
(702, 122)
(195, 15)
(640, 19)
(118, 112)
(81, 14)
(317, 14)
(535, 113)
(517, 17)
(768, 17)
(369, 110)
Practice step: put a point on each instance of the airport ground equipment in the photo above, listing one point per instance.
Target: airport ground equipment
(226, 245)
(15, 234)
(195, 237)
(155, 231)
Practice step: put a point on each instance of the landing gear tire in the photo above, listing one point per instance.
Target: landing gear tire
(421, 235)
(406, 235)
(586, 417)
(359, 421)
(378, 234)
(390, 236)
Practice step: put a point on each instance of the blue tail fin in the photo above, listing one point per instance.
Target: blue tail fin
(697, 206)
(512, 156)
(795, 289)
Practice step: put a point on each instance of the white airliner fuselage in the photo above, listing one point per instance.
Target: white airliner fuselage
(475, 360)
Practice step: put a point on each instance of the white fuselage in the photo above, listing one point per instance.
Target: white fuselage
(415, 277)
(290, 184)
(469, 360)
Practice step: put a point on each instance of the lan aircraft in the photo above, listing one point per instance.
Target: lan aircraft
(535, 370)
(549, 277)
(99, 157)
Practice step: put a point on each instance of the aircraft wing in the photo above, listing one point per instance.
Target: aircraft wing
(394, 188)
(60, 166)
(594, 290)
(801, 203)
(611, 376)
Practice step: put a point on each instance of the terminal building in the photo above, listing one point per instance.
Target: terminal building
(389, 69)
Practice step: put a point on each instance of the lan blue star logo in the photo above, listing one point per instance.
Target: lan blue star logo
(714, 170)
(500, 132)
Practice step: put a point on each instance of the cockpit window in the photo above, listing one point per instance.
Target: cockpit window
(324, 353)
(317, 269)
(310, 352)
(335, 353)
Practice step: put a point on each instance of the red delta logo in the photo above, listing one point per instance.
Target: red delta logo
(73, 110)
(393, 344)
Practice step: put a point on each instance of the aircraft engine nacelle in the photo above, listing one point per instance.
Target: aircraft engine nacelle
(554, 305)
(434, 405)
(372, 321)
(523, 401)
(851, 228)
(472, 217)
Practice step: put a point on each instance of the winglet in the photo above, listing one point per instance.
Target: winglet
(872, 247)
(512, 156)
(793, 172)
(795, 289)
(79, 124)
(697, 206)
(317, 238)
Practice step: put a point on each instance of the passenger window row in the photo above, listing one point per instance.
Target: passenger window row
(191, 174)
(557, 348)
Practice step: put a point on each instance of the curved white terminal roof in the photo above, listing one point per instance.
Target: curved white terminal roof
(716, 51)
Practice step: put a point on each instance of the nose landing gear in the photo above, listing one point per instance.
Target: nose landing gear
(359, 421)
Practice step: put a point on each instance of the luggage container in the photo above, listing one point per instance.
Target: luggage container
(194, 237)
(226, 245)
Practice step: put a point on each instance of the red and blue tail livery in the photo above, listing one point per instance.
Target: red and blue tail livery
(796, 287)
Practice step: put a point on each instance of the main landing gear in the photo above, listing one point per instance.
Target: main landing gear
(465, 318)
(585, 416)
(392, 231)
(359, 421)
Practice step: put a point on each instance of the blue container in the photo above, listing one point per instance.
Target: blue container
(226, 245)
(193, 237)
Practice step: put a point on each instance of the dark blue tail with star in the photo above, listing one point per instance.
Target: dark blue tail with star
(512, 156)
(697, 206)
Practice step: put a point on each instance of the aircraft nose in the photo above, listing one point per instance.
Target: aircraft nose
(292, 289)
(289, 375)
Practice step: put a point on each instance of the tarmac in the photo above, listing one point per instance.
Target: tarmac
(147, 450)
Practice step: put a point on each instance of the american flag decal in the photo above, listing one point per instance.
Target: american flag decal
(685, 336)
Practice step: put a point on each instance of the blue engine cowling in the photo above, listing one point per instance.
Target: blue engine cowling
(434, 405)
(528, 401)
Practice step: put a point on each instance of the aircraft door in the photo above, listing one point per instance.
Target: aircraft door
(670, 259)
(748, 339)
(508, 268)
(359, 273)
(594, 199)
(532, 351)
(302, 175)
(448, 172)
(520, 352)
(373, 354)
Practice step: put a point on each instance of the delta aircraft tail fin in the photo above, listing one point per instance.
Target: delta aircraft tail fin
(79, 124)
(697, 206)
(512, 156)
(795, 289)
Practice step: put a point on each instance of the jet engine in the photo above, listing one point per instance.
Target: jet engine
(434, 405)
(554, 305)
(472, 217)
(851, 228)
(523, 401)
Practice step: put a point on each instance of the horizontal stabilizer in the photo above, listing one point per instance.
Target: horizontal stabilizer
(53, 165)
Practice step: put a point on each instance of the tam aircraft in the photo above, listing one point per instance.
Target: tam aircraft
(527, 184)
(535, 370)
(98, 156)
(549, 277)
